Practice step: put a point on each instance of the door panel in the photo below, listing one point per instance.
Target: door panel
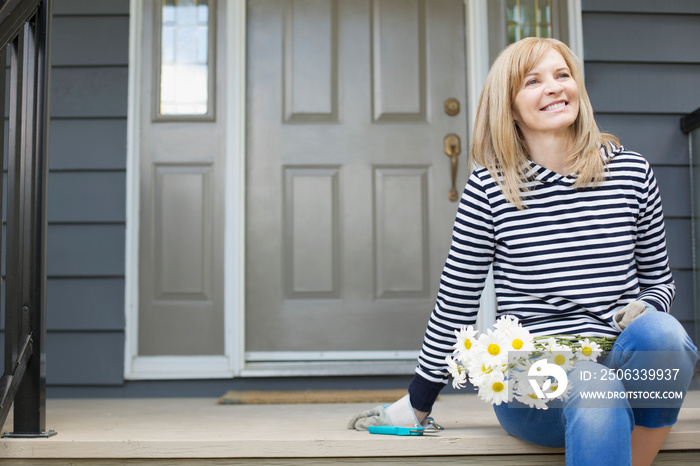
(311, 61)
(182, 272)
(348, 221)
(312, 249)
(181, 236)
(401, 233)
(398, 45)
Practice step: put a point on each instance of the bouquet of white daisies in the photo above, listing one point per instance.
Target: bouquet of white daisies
(508, 363)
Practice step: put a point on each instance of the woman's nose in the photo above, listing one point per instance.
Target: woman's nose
(553, 87)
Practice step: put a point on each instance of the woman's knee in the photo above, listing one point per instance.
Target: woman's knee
(655, 343)
(656, 331)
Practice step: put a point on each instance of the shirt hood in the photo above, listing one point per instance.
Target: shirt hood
(541, 174)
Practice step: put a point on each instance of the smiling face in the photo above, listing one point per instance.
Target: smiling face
(548, 100)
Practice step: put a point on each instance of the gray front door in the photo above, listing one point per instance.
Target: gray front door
(348, 219)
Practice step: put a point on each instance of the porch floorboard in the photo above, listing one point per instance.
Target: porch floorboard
(203, 432)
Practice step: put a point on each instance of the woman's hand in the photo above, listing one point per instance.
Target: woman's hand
(627, 314)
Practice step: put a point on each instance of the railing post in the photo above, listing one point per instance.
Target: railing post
(25, 304)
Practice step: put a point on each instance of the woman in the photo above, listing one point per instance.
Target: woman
(573, 226)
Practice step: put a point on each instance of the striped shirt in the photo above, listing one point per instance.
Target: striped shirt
(563, 265)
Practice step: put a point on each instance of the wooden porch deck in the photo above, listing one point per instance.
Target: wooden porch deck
(199, 431)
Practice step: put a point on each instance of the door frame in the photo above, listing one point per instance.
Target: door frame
(192, 367)
(233, 362)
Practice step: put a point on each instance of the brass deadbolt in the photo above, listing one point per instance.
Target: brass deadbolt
(452, 106)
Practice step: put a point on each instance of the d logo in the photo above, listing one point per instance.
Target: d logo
(543, 369)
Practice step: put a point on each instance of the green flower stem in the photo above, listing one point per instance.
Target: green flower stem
(605, 343)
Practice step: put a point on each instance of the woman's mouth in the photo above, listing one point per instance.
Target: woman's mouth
(554, 106)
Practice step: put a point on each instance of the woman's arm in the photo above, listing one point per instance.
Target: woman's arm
(461, 284)
(653, 271)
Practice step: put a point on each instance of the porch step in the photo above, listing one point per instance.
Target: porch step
(200, 431)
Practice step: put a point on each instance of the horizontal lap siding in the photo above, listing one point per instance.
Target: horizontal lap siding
(88, 144)
(87, 193)
(642, 6)
(643, 74)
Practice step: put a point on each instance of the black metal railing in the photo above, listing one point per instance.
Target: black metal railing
(24, 39)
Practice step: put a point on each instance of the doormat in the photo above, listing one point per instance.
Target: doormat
(265, 397)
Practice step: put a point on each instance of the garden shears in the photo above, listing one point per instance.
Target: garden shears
(399, 430)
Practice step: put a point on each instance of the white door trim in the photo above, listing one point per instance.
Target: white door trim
(234, 229)
(477, 49)
(133, 142)
(576, 29)
(191, 367)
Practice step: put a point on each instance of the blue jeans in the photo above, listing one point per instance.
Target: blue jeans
(599, 431)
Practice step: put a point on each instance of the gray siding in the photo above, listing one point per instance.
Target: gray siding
(642, 74)
(87, 193)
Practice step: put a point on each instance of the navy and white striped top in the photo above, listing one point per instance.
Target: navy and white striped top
(563, 265)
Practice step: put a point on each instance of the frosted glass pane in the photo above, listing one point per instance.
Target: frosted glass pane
(184, 66)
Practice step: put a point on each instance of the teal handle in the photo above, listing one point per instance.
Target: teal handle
(396, 430)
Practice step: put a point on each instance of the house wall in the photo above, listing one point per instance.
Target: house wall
(642, 72)
(87, 163)
(642, 68)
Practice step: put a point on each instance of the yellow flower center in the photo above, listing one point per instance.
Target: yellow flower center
(497, 387)
(517, 343)
(559, 359)
(494, 349)
(533, 396)
(485, 370)
(468, 343)
(587, 351)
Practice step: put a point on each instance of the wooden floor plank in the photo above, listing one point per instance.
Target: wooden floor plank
(664, 458)
(133, 430)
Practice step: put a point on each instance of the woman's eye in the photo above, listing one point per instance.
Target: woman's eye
(531, 82)
(564, 75)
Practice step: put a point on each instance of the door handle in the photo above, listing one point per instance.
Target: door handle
(452, 149)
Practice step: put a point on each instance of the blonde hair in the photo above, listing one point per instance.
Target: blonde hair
(496, 141)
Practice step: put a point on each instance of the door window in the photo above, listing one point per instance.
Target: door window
(512, 20)
(184, 44)
(528, 18)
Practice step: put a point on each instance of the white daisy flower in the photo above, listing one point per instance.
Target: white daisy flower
(494, 388)
(477, 371)
(588, 351)
(525, 393)
(506, 323)
(559, 354)
(563, 358)
(492, 349)
(466, 340)
(459, 375)
(552, 345)
(519, 339)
